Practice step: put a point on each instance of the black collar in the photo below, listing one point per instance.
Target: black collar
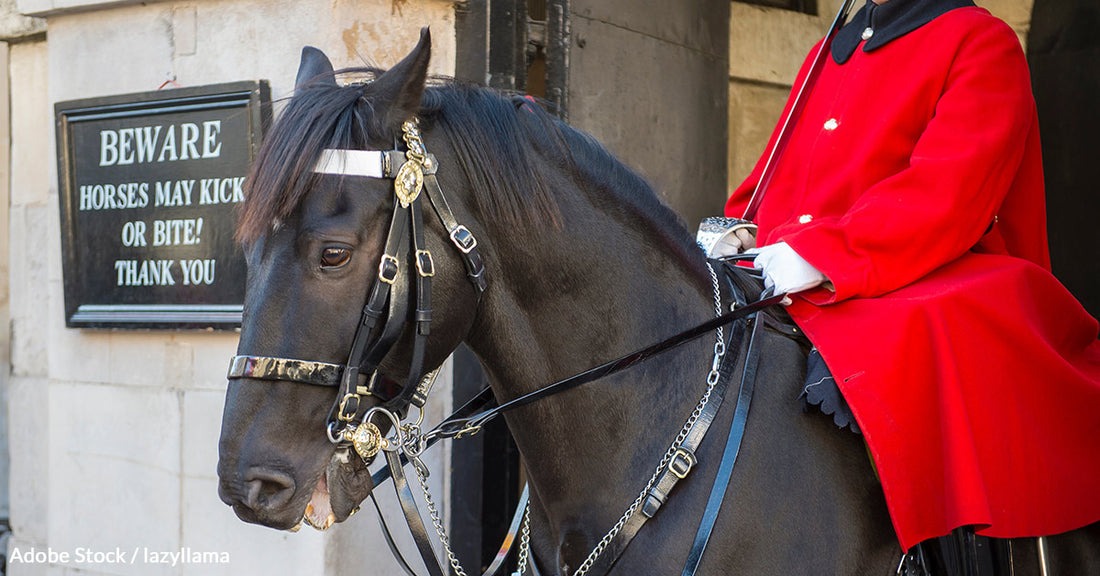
(889, 21)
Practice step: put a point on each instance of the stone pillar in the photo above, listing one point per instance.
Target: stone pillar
(650, 84)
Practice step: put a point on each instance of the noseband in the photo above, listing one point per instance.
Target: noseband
(386, 311)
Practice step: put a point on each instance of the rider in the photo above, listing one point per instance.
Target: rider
(906, 218)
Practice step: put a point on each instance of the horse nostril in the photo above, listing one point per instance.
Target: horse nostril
(268, 489)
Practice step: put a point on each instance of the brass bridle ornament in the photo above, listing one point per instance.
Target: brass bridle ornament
(384, 314)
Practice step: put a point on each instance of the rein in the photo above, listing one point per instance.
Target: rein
(383, 321)
(675, 466)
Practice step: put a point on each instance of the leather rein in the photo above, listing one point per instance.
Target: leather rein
(383, 321)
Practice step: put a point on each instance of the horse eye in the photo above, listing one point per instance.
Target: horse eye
(332, 257)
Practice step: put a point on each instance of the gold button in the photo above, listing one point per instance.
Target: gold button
(831, 124)
(867, 33)
(805, 218)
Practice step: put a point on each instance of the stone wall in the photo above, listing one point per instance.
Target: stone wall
(114, 433)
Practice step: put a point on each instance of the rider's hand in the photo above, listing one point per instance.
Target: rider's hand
(736, 241)
(786, 271)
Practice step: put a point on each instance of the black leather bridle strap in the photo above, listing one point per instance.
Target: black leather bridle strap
(460, 236)
(412, 514)
(729, 455)
(389, 268)
(424, 270)
(364, 360)
(388, 536)
(398, 306)
(685, 459)
(456, 426)
(677, 469)
(474, 414)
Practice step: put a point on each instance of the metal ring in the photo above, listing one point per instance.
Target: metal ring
(396, 426)
(339, 435)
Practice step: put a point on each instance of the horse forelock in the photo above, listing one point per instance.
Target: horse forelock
(319, 116)
(491, 135)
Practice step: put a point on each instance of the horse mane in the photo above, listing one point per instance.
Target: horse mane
(493, 135)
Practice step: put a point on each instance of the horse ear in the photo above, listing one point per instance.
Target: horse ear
(314, 65)
(403, 85)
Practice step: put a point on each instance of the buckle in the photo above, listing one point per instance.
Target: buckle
(343, 414)
(681, 463)
(388, 268)
(463, 239)
(424, 263)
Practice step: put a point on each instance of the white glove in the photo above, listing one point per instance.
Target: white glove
(785, 270)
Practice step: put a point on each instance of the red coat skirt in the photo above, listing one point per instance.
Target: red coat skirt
(913, 180)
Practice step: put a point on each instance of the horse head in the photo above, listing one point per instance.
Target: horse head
(314, 243)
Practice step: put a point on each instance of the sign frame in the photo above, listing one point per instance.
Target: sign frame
(83, 310)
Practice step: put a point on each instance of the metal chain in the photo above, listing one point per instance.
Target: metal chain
(524, 542)
(438, 523)
(525, 538)
(712, 379)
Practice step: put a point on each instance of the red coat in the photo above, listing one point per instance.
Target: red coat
(914, 182)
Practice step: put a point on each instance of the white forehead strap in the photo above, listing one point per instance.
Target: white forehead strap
(368, 163)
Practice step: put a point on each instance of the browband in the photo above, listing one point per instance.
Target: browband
(366, 163)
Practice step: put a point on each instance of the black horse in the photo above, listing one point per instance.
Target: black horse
(585, 263)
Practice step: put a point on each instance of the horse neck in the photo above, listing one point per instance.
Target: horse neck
(615, 278)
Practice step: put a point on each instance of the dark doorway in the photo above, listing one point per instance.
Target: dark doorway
(1063, 51)
(500, 44)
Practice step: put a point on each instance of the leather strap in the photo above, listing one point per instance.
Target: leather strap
(420, 533)
(361, 359)
(460, 236)
(478, 402)
(684, 458)
(394, 550)
(729, 455)
(412, 514)
(676, 470)
(683, 462)
(398, 307)
(423, 269)
(455, 426)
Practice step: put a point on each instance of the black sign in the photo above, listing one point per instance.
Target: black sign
(150, 184)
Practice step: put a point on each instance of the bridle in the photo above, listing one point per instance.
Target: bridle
(385, 313)
(383, 321)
